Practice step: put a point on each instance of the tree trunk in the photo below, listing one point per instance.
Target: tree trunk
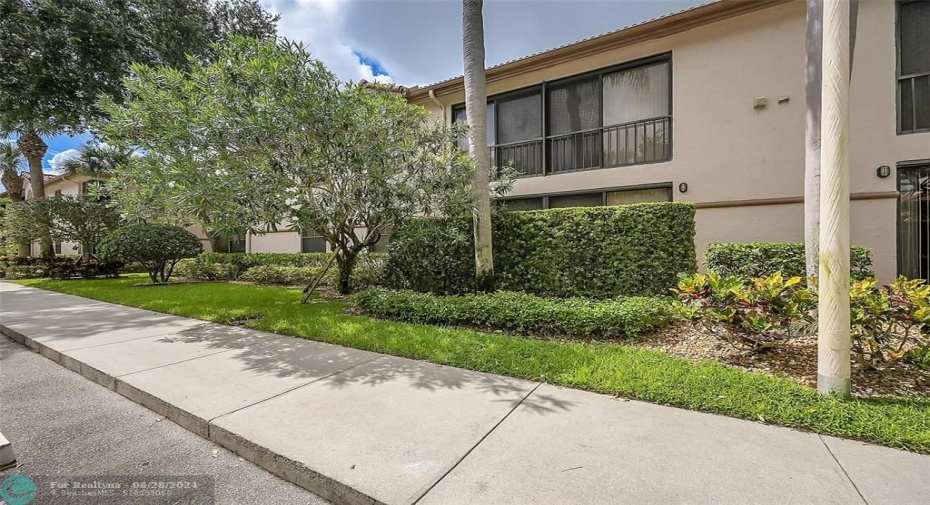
(814, 79)
(833, 341)
(814, 51)
(34, 148)
(476, 100)
(346, 262)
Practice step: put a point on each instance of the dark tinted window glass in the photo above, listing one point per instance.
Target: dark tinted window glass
(580, 200)
(312, 244)
(915, 37)
(521, 204)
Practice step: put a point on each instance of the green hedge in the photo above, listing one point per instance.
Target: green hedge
(521, 312)
(761, 259)
(598, 252)
(279, 268)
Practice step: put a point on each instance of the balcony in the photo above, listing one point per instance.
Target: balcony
(635, 143)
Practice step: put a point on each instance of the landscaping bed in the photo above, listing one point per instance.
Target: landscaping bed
(796, 358)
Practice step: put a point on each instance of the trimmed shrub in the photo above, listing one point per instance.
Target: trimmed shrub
(280, 268)
(522, 313)
(760, 259)
(597, 252)
(275, 274)
(159, 247)
(197, 269)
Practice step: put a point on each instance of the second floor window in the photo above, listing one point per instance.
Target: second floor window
(611, 118)
(913, 66)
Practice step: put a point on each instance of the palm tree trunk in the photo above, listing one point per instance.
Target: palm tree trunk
(833, 341)
(813, 85)
(34, 148)
(476, 100)
(813, 56)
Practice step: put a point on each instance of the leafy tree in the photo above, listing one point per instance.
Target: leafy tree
(158, 247)
(83, 219)
(58, 56)
(266, 135)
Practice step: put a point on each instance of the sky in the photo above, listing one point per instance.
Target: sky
(418, 42)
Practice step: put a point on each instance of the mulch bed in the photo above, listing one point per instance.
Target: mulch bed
(796, 358)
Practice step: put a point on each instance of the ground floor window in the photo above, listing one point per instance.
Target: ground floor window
(236, 244)
(310, 243)
(616, 196)
(381, 246)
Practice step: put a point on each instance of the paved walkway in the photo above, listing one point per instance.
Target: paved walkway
(360, 427)
(67, 427)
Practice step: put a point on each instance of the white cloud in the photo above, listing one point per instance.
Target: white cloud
(319, 24)
(59, 158)
(420, 41)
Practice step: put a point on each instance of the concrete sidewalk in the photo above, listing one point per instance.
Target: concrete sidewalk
(359, 427)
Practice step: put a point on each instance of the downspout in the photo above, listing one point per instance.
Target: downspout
(442, 108)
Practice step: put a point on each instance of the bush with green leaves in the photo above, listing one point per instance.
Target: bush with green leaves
(280, 268)
(158, 247)
(759, 313)
(890, 322)
(196, 269)
(522, 313)
(601, 252)
(761, 259)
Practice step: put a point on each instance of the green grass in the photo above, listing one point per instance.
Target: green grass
(606, 368)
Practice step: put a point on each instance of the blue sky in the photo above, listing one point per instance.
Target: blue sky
(417, 42)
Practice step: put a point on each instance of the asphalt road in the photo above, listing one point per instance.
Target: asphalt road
(64, 425)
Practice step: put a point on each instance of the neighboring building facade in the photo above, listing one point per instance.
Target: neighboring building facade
(59, 185)
(708, 106)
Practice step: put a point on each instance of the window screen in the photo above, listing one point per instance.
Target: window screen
(519, 118)
(914, 27)
(636, 94)
(521, 204)
(631, 196)
(574, 107)
(458, 114)
(579, 200)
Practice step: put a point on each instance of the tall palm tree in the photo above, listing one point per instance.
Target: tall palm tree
(12, 167)
(476, 100)
(32, 146)
(96, 159)
(813, 85)
(11, 170)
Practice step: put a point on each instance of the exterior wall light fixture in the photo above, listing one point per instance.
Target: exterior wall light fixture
(683, 187)
(883, 171)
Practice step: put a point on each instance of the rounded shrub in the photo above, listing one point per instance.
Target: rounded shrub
(158, 247)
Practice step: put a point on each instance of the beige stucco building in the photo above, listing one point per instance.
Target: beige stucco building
(708, 106)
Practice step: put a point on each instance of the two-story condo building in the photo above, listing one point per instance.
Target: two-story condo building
(707, 105)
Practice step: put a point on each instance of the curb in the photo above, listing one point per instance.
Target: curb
(283, 467)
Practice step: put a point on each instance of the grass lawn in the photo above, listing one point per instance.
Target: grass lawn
(606, 368)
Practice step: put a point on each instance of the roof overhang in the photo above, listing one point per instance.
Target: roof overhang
(653, 29)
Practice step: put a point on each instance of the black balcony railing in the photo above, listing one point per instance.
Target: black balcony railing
(526, 157)
(619, 145)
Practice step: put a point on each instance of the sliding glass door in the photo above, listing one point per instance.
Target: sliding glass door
(914, 222)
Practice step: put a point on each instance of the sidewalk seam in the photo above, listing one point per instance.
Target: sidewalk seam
(827, 446)
(469, 451)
